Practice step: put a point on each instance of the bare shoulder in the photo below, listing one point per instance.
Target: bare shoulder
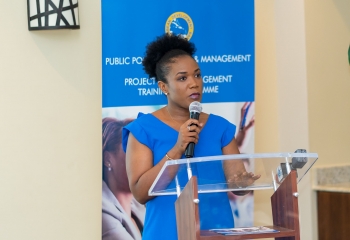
(159, 111)
(159, 114)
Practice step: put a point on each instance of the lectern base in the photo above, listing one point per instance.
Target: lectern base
(284, 210)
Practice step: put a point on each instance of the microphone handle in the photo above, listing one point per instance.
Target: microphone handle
(190, 147)
(189, 150)
(194, 115)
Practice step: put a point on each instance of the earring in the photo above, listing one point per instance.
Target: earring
(109, 167)
(166, 94)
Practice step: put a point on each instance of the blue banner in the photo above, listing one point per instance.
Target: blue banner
(223, 34)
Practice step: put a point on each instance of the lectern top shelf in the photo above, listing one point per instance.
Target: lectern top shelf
(271, 168)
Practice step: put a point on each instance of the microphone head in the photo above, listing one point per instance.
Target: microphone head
(299, 162)
(195, 107)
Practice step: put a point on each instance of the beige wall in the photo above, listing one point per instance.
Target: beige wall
(302, 90)
(328, 72)
(50, 127)
(328, 39)
(266, 98)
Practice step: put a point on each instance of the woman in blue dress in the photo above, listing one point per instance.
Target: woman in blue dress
(152, 139)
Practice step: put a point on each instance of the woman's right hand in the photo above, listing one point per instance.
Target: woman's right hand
(188, 132)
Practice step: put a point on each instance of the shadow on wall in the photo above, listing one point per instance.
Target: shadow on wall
(70, 60)
(343, 7)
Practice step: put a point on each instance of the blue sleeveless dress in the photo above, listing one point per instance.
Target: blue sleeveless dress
(214, 208)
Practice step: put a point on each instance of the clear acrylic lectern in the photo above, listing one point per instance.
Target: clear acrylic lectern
(279, 171)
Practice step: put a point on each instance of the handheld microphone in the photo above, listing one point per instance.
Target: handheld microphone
(195, 109)
(297, 162)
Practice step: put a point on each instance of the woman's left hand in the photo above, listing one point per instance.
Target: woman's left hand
(242, 180)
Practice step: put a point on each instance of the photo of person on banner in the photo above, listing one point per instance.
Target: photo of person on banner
(122, 215)
(243, 125)
(154, 138)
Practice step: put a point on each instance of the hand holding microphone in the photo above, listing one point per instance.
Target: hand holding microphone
(189, 131)
(195, 110)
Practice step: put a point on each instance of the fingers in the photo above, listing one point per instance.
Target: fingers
(189, 132)
(251, 123)
(191, 137)
(193, 128)
(256, 177)
(246, 176)
(191, 122)
(243, 180)
(245, 105)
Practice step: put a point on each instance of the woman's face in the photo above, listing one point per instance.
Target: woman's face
(185, 83)
(119, 168)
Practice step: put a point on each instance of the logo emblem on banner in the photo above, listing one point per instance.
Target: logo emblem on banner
(179, 23)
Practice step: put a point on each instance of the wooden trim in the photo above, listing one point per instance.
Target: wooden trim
(187, 213)
(285, 210)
